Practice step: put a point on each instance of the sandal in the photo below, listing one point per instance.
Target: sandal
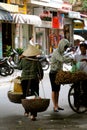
(55, 109)
(33, 118)
(26, 114)
(59, 108)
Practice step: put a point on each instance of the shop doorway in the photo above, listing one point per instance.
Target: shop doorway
(6, 36)
(40, 39)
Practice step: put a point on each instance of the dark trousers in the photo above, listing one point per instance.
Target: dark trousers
(80, 93)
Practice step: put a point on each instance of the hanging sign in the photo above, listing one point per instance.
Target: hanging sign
(72, 14)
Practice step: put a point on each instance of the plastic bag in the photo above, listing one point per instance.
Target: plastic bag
(75, 67)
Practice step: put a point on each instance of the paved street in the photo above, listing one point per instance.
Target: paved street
(12, 118)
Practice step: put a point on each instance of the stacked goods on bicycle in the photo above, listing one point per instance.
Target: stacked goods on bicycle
(66, 77)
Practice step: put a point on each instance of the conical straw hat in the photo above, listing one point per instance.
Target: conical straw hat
(31, 51)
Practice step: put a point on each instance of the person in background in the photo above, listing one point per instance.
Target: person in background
(76, 47)
(82, 56)
(31, 75)
(57, 61)
(31, 41)
(81, 61)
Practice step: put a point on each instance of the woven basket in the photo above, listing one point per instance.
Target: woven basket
(66, 77)
(15, 97)
(35, 105)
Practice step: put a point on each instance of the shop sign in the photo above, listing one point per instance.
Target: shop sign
(66, 6)
(48, 3)
(73, 14)
(46, 24)
(56, 1)
(78, 25)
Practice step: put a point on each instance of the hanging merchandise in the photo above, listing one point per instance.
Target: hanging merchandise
(61, 20)
(55, 22)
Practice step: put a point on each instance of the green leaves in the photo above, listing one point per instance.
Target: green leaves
(19, 50)
(84, 5)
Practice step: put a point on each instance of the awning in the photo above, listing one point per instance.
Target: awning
(5, 16)
(26, 19)
(78, 37)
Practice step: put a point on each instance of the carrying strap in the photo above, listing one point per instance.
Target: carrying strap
(31, 59)
(43, 89)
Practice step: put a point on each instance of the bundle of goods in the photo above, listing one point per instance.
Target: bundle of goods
(17, 84)
(66, 77)
(36, 104)
(16, 94)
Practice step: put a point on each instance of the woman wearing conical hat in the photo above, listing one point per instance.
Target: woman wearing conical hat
(31, 68)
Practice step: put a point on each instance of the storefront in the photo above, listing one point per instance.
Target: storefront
(51, 31)
(5, 31)
(6, 26)
(24, 28)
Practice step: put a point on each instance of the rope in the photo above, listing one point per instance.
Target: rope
(43, 88)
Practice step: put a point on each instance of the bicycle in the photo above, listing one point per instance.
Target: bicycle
(77, 97)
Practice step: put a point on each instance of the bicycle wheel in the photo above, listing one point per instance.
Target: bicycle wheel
(11, 70)
(78, 108)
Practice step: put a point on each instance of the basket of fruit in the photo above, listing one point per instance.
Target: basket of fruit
(67, 77)
(36, 104)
